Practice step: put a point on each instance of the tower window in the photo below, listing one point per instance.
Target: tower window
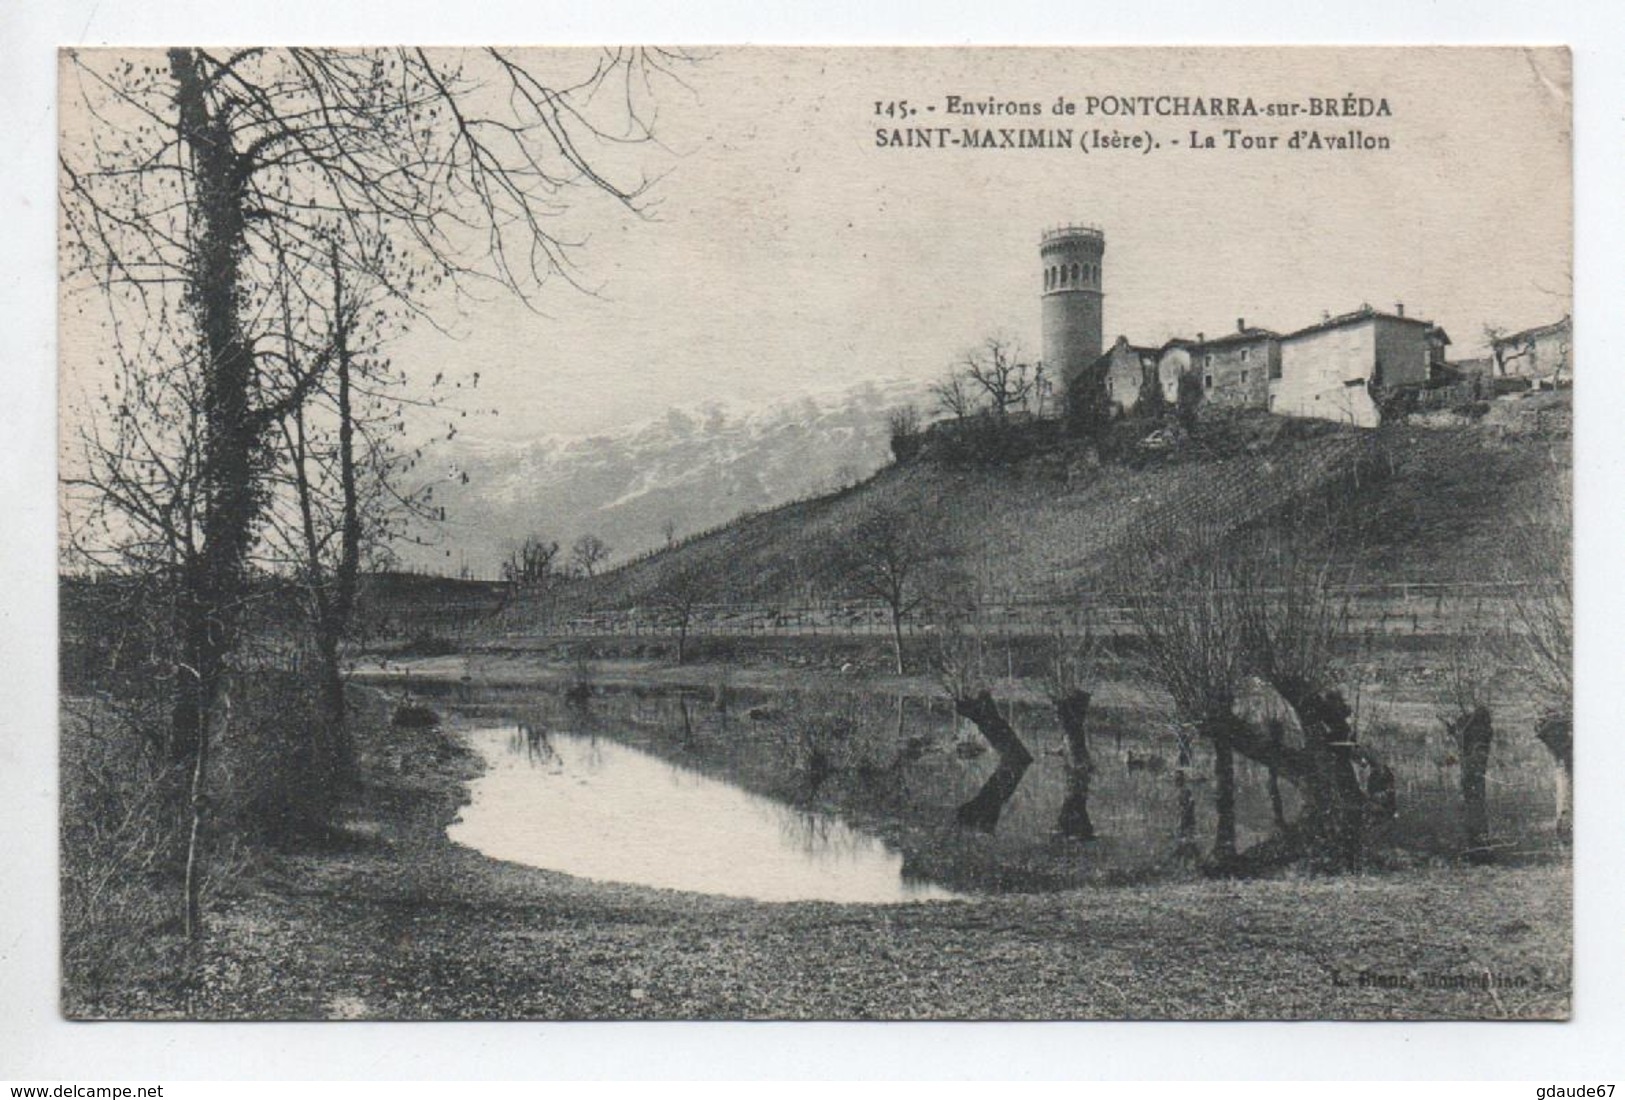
(1243, 378)
(1074, 274)
(1207, 382)
(1246, 354)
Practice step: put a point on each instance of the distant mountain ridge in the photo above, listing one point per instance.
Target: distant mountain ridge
(695, 467)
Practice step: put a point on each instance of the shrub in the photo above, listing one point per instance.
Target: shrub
(904, 425)
(1188, 403)
(414, 716)
(121, 831)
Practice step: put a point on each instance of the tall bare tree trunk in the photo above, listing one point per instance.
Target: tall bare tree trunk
(984, 713)
(193, 884)
(1473, 733)
(1337, 810)
(1277, 809)
(1185, 835)
(215, 586)
(337, 612)
(1072, 710)
(1224, 790)
(1556, 731)
(330, 749)
(983, 810)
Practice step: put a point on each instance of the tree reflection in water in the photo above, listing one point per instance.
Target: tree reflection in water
(533, 741)
(983, 811)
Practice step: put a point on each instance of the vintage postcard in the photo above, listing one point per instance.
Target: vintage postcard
(816, 533)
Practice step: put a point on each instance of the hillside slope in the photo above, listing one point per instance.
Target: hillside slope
(1422, 504)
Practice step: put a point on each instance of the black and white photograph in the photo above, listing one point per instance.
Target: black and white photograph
(815, 533)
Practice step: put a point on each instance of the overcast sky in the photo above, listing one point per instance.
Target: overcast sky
(786, 252)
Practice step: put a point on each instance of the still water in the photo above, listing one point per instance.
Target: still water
(597, 809)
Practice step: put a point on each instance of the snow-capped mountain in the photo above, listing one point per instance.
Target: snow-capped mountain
(694, 467)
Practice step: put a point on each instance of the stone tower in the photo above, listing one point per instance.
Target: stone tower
(1074, 303)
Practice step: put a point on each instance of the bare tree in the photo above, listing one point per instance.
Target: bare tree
(894, 557)
(1539, 573)
(530, 565)
(903, 429)
(203, 195)
(959, 661)
(1068, 666)
(668, 532)
(588, 552)
(1003, 376)
(955, 396)
(1192, 634)
(1469, 724)
(331, 514)
(678, 594)
(1294, 606)
(1503, 352)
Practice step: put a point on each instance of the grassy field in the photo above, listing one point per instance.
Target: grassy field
(399, 923)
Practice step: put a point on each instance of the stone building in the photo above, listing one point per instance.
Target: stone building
(1333, 370)
(1126, 373)
(1337, 369)
(1544, 355)
(1237, 369)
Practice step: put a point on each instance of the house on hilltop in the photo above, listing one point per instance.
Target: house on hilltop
(1336, 369)
(1124, 371)
(1544, 355)
(1341, 368)
(1238, 369)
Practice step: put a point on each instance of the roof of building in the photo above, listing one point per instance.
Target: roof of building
(1247, 335)
(1355, 317)
(1122, 342)
(1531, 333)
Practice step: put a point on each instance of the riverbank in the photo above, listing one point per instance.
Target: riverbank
(399, 923)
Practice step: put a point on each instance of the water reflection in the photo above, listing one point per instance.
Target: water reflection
(987, 806)
(535, 744)
(597, 809)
